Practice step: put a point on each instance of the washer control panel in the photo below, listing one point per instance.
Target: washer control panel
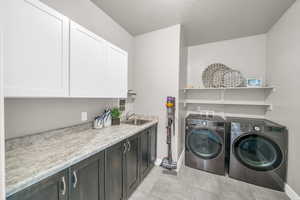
(197, 122)
(238, 128)
(204, 123)
(217, 123)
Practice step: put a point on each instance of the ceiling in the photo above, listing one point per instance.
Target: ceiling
(203, 20)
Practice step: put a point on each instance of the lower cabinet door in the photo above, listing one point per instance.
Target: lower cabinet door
(145, 154)
(52, 188)
(87, 179)
(153, 145)
(114, 176)
(132, 165)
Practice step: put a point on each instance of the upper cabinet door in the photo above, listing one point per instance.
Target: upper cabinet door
(35, 50)
(88, 63)
(117, 72)
(97, 68)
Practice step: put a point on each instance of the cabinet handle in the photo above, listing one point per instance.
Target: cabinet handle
(75, 179)
(129, 145)
(64, 186)
(125, 148)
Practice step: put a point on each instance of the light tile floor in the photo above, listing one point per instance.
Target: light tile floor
(191, 184)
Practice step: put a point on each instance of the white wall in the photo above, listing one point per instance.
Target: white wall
(28, 116)
(182, 84)
(35, 115)
(2, 152)
(283, 69)
(156, 76)
(247, 55)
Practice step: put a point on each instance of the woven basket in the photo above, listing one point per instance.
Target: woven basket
(208, 75)
(233, 78)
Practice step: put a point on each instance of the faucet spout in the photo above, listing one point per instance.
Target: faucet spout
(129, 115)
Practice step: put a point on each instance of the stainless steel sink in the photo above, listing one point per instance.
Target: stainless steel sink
(136, 122)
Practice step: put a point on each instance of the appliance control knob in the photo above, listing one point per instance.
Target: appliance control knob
(256, 128)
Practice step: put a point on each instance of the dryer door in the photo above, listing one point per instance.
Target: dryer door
(204, 143)
(257, 152)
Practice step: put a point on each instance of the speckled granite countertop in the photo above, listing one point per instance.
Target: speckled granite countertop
(33, 158)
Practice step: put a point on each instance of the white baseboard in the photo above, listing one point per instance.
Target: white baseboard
(180, 161)
(291, 193)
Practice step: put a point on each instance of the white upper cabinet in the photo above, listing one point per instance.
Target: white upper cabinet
(97, 68)
(117, 75)
(46, 55)
(35, 50)
(88, 60)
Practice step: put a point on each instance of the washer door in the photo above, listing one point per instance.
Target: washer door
(204, 143)
(258, 152)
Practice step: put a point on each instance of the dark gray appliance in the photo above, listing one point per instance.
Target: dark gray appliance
(205, 143)
(258, 152)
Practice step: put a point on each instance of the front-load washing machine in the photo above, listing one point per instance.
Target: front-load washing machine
(258, 153)
(205, 143)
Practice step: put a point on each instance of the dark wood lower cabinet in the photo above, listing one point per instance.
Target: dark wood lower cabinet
(132, 165)
(52, 188)
(128, 162)
(113, 174)
(87, 179)
(115, 171)
(145, 153)
(153, 145)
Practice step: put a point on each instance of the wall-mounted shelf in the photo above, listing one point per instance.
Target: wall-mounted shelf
(239, 96)
(224, 103)
(224, 89)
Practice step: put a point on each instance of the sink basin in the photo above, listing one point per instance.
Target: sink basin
(136, 122)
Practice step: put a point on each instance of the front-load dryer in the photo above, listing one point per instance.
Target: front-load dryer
(205, 143)
(258, 152)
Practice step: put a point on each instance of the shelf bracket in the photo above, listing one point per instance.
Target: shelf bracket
(270, 107)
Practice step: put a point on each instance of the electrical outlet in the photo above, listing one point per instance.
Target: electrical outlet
(122, 104)
(83, 116)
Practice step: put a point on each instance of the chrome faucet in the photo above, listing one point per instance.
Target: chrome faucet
(129, 115)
